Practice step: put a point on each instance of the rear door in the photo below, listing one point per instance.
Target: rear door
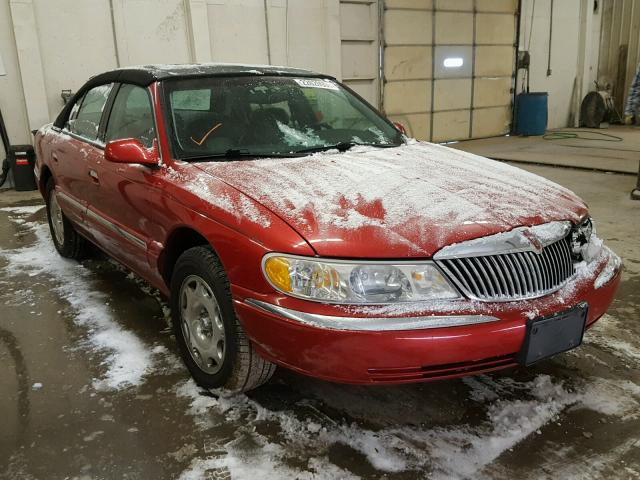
(120, 203)
(77, 145)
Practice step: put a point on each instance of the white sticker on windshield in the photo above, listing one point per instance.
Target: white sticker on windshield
(316, 83)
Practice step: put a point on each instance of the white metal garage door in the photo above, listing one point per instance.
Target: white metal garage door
(448, 66)
(360, 46)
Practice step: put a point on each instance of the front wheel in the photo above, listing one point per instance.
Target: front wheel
(67, 241)
(212, 343)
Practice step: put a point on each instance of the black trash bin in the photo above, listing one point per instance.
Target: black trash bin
(22, 159)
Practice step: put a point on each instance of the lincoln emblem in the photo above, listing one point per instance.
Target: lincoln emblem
(535, 242)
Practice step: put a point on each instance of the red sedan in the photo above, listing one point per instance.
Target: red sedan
(291, 224)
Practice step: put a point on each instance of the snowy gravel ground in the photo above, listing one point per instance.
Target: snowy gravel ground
(112, 400)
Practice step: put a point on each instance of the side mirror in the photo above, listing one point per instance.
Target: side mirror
(131, 150)
(400, 127)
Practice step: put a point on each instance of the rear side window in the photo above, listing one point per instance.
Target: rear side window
(85, 115)
(132, 116)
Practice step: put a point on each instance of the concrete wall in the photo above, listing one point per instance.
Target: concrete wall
(48, 46)
(574, 53)
(11, 100)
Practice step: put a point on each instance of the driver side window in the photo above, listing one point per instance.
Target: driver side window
(84, 119)
(132, 116)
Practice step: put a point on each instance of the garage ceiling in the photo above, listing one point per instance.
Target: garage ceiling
(448, 66)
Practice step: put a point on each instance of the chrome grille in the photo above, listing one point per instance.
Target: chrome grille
(514, 275)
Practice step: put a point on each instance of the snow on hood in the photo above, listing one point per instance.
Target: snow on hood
(407, 201)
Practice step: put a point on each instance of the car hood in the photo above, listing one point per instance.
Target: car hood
(406, 201)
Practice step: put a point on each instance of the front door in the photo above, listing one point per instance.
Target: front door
(121, 192)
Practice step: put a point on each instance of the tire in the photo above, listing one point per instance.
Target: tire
(212, 343)
(68, 242)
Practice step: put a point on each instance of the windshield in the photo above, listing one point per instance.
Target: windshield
(269, 116)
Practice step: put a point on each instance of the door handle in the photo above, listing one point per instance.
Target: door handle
(94, 176)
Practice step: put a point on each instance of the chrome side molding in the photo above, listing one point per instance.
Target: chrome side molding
(137, 241)
(116, 229)
(71, 201)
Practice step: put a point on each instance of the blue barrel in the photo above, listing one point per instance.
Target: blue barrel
(531, 113)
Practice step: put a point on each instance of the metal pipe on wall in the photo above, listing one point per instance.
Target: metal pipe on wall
(635, 193)
(4, 135)
(113, 29)
(550, 40)
(515, 66)
(266, 26)
(381, 46)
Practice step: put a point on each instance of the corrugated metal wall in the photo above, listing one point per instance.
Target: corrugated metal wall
(619, 46)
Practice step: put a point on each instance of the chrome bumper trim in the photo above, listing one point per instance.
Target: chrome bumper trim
(371, 323)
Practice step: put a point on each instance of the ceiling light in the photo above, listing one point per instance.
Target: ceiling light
(453, 62)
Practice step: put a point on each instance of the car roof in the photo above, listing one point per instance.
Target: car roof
(144, 75)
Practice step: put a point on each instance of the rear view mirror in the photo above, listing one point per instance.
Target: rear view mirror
(130, 150)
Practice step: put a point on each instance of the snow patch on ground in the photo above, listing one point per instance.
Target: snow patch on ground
(262, 464)
(620, 398)
(515, 410)
(612, 463)
(264, 459)
(26, 210)
(609, 335)
(127, 359)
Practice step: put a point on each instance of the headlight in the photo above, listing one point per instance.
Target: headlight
(580, 236)
(356, 282)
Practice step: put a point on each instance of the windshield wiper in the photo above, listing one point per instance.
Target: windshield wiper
(237, 153)
(344, 146)
(232, 154)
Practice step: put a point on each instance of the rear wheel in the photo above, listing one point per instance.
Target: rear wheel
(67, 241)
(212, 343)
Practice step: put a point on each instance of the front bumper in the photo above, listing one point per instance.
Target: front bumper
(408, 344)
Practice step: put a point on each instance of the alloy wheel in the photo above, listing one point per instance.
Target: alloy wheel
(57, 220)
